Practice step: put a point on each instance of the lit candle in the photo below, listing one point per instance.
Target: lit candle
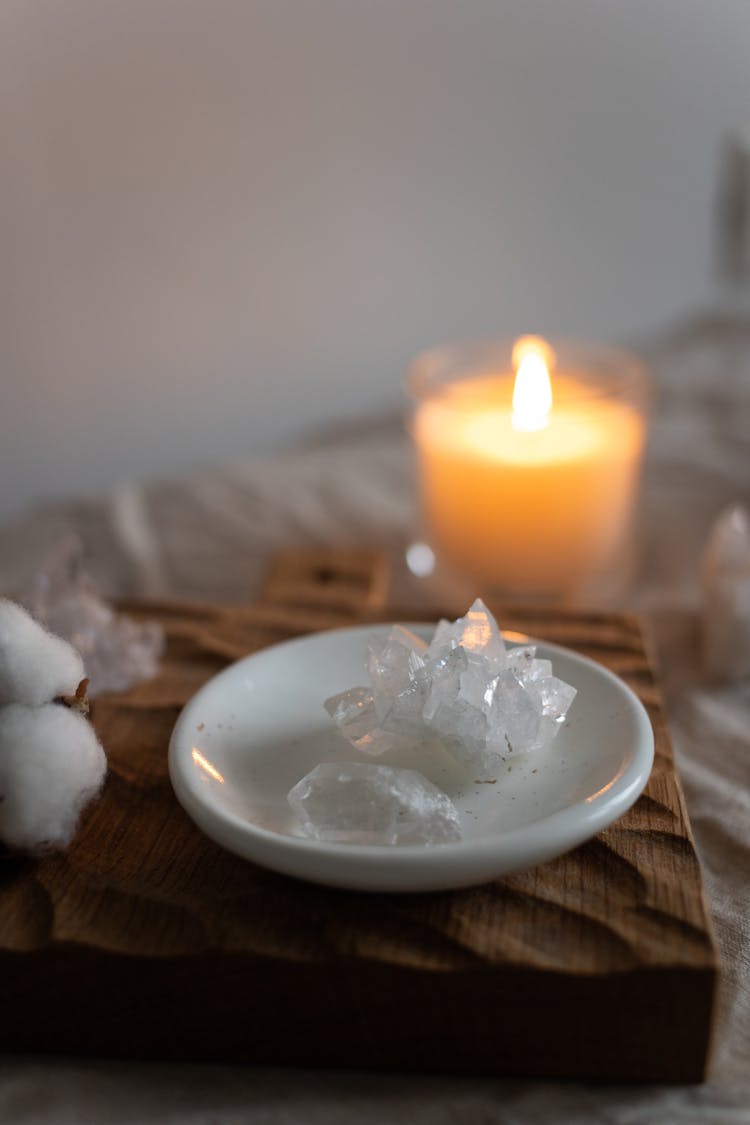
(528, 476)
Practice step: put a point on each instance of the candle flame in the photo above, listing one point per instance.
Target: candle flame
(532, 391)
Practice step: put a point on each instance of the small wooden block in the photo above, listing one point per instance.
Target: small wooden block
(347, 579)
(147, 939)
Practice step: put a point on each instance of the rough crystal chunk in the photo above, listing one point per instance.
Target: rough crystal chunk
(555, 696)
(453, 709)
(118, 652)
(725, 580)
(399, 680)
(357, 802)
(521, 659)
(513, 716)
(354, 713)
(393, 660)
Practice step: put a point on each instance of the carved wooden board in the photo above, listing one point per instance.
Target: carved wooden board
(147, 939)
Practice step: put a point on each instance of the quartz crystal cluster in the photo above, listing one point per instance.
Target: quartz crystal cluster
(465, 690)
(118, 651)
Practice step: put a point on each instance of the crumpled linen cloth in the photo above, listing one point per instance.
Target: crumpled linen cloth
(210, 536)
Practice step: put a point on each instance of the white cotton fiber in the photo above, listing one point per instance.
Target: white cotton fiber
(35, 666)
(51, 765)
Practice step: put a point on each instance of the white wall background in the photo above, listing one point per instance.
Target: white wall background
(224, 220)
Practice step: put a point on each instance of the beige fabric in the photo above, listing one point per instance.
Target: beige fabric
(210, 536)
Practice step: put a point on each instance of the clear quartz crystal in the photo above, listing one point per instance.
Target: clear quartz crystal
(363, 803)
(117, 651)
(480, 700)
(454, 708)
(354, 713)
(399, 682)
(522, 660)
(513, 717)
(725, 581)
(477, 634)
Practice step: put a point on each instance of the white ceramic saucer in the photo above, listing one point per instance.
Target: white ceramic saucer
(259, 726)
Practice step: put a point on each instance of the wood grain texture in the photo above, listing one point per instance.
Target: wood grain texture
(147, 939)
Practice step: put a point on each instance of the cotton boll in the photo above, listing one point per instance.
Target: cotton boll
(35, 666)
(51, 765)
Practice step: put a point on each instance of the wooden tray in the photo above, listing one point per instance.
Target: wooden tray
(148, 940)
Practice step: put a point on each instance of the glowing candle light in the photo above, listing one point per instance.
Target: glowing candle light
(528, 475)
(532, 388)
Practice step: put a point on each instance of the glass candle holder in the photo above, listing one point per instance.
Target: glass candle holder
(529, 455)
